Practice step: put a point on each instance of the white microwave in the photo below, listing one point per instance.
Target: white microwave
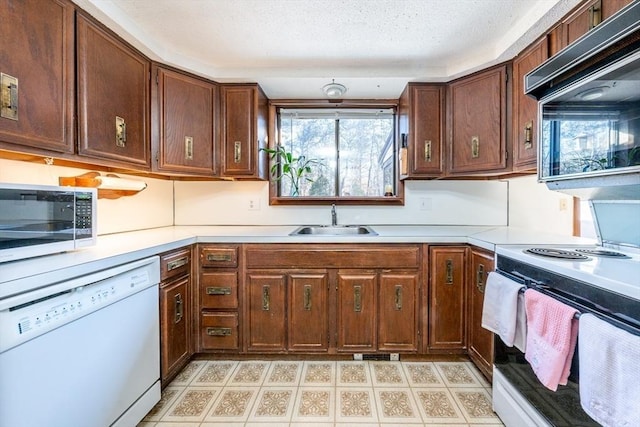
(40, 220)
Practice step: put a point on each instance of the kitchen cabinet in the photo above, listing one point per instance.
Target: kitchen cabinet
(447, 279)
(398, 311)
(38, 54)
(308, 316)
(421, 113)
(244, 131)
(479, 339)
(333, 298)
(525, 108)
(175, 312)
(113, 98)
(477, 133)
(218, 299)
(184, 110)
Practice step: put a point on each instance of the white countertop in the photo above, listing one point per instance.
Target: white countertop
(116, 249)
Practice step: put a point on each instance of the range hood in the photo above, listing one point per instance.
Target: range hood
(589, 112)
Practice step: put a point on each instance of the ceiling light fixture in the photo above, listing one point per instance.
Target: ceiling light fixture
(593, 93)
(334, 90)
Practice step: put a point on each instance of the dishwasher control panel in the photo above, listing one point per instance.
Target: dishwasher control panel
(33, 317)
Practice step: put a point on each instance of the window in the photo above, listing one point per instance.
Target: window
(343, 153)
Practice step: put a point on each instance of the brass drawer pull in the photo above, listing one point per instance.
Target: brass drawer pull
(480, 278)
(178, 308)
(237, 151)
(427, 150)
(398, 299)
(475, 147)
(219, 257)
(188, 148)
(306, 304)
(266, 298)
(219, 332)
(177, 263)
(357, 298)
(218, 290)
(449, 270)
(528, 135)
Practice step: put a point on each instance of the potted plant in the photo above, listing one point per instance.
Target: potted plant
(284, 165)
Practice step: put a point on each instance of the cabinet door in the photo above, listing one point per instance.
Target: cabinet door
(579, 22)
(184, 115)
(480, 340)
(308, 320)
(446, 301)
(422, 118)
(610, 7)
(266, 324)
(525, 108)
(113, 98)
(38, 50)
(478, 102)
(356, 311)
(175, 326)
(398, 312)
(244, 124)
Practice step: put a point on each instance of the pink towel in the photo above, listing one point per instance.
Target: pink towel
(552, 333)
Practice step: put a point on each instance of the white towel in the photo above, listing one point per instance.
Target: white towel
(609, 377)
(500, 307)
(520, 339)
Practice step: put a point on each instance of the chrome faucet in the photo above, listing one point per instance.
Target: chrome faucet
(334, 215)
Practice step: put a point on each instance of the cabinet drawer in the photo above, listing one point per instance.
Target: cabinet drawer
(174, 264)
(219, 290)
(219, 331)
(219, 256)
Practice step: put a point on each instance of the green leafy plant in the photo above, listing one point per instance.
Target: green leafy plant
(284, 165)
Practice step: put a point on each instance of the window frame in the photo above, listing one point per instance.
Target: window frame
(275, 199)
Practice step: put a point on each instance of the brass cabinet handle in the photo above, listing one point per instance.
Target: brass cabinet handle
(218, 290)
(449, 270)
(218, 257)
(237, 151)
(427, 150)
(398, 299)
(480, 278)
(177, 263)
(475, 147)
(178, 307)
(188, 148)
(595, 15)
(266, 298)
(357, 298)
(121, 132)
(219, 332)
(528, 135)
(306, 304)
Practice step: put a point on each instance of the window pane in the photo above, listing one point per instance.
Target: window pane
(351, 152)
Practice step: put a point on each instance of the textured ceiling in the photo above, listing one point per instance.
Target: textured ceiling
(294, 47)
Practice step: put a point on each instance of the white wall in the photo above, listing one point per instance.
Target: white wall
(152, 207)
(447, 203)
(533, 206)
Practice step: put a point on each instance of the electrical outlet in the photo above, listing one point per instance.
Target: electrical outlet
(563, 204)
(425, 203)
(254, 204)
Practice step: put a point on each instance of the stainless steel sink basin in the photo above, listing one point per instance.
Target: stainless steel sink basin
(334, 230)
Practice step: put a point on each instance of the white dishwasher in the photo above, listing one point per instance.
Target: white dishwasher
(84, 352)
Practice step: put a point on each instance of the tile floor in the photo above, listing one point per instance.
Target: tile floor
(324, 393)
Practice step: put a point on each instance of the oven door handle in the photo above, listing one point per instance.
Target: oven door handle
(528, 281)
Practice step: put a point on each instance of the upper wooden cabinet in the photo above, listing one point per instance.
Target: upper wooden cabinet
(244, 131)
(113, 98)
(184, 111)
(525, 108)
(38, 51)
(421, 116)
(477, 125)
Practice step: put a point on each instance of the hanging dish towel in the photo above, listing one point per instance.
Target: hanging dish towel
(609, 377)
(520, 340)
(552, 333)
(500, 306)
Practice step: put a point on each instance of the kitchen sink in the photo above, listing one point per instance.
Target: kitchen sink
(333, 230)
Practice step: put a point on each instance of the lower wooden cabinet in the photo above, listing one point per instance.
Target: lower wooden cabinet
(356, 330)
(398, 311)
(480, 340)
(175, 313)
(266, 323)
(447, 278)
(308, 319)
